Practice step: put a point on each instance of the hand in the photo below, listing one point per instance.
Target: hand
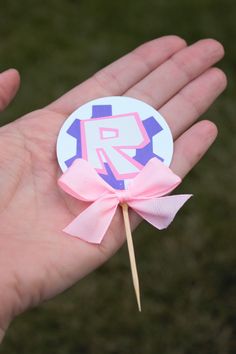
(37, 260)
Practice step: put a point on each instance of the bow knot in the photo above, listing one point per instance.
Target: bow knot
(123, 195)
(146, 194)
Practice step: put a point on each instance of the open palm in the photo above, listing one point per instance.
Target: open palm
(37, 260)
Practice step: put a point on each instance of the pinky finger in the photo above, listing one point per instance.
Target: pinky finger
(191, 146)
(9, 85)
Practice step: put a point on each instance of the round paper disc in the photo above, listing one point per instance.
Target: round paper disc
(117, 135)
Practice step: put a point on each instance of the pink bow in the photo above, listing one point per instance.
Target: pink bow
(144, 194)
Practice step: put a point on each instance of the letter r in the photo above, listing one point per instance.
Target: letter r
(106, 139)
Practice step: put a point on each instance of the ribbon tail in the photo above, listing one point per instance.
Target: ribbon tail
(92, 224)
(160, 212)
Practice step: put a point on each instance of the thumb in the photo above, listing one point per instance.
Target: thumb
(9, 85)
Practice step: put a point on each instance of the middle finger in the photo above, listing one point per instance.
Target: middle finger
(170, 77)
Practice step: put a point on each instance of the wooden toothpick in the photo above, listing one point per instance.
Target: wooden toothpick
(131, 253)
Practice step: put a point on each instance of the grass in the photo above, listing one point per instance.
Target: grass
(187, 273)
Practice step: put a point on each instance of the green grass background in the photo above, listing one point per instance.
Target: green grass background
(187, 273)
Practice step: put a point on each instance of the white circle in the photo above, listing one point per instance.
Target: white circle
(162, 142)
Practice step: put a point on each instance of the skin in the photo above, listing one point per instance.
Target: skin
(37, 260)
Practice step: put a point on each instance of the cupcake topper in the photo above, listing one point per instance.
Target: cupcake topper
(116, 151)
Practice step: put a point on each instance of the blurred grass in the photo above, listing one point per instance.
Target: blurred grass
(187, 272)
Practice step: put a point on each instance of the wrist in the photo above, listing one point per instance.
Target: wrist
(7, 310)
(4, 322)
(2, 334)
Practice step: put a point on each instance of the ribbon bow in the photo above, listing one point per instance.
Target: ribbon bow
(144, 195)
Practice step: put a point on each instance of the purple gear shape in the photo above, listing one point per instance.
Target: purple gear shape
(142, 155)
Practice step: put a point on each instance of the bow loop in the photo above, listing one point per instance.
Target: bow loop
(82, 182)
(154, 180)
